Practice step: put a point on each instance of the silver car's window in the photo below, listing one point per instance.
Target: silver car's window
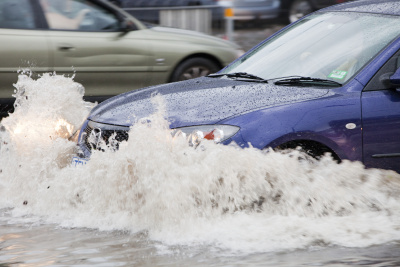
(332, 46)
(78, 15)
(16, 14)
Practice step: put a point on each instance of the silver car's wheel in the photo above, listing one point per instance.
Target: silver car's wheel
(299, 9)
(194, 68)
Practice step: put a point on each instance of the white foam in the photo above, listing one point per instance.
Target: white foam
(241, 200)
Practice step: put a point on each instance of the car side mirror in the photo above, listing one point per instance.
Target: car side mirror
(395, 78)
(127, 25)
(391, 80)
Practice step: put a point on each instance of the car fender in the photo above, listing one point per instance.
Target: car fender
(333, 120)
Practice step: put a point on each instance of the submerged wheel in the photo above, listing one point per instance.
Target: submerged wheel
(310, 149)
(299, 9)
(194, 68)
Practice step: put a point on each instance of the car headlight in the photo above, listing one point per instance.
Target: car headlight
(64, 129)
(217, 133)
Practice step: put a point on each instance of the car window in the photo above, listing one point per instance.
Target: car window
(378, 82)
(78, 15)
(332, 46)
(16, 14)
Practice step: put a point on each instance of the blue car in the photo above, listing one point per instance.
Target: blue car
(328, 83)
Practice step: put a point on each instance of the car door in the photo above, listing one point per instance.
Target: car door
(22, 45)
(381, 119)
(88, 42)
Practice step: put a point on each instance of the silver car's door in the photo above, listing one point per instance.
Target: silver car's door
(22, 46)
(88, 42)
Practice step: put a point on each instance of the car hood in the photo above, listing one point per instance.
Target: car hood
(199, 101)
(170, 34)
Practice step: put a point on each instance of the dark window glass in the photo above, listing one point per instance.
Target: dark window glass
(16, 14)
(78, 15)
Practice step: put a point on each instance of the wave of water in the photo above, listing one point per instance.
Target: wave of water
(242, 200)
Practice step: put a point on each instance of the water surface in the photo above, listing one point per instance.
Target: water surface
(159, 202)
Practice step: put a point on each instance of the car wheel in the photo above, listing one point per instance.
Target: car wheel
(299, 9)
(194, 68)
(310, 149)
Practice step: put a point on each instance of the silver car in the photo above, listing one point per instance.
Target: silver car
(108, 50)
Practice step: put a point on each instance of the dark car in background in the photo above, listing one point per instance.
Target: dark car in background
(283, 10)
(149, 10)
(107, 50)
(292, 10)
(244, 10)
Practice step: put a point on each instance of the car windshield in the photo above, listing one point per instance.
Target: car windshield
(332, 46)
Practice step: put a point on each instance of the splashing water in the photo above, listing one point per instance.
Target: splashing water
(237, 199)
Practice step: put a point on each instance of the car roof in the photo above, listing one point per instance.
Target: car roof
(389, 7)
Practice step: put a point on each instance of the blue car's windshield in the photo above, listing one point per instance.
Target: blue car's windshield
(333, 46)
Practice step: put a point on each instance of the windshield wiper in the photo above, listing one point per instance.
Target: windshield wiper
(244, 75)
(298, 80)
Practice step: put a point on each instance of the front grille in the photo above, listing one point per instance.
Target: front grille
(103, 135)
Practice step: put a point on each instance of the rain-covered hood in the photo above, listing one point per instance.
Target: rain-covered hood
(199, 101)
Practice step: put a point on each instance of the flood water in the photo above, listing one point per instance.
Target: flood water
(159, 202)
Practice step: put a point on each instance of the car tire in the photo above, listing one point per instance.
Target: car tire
(311, 150)
(298, 9)
(194, 68)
